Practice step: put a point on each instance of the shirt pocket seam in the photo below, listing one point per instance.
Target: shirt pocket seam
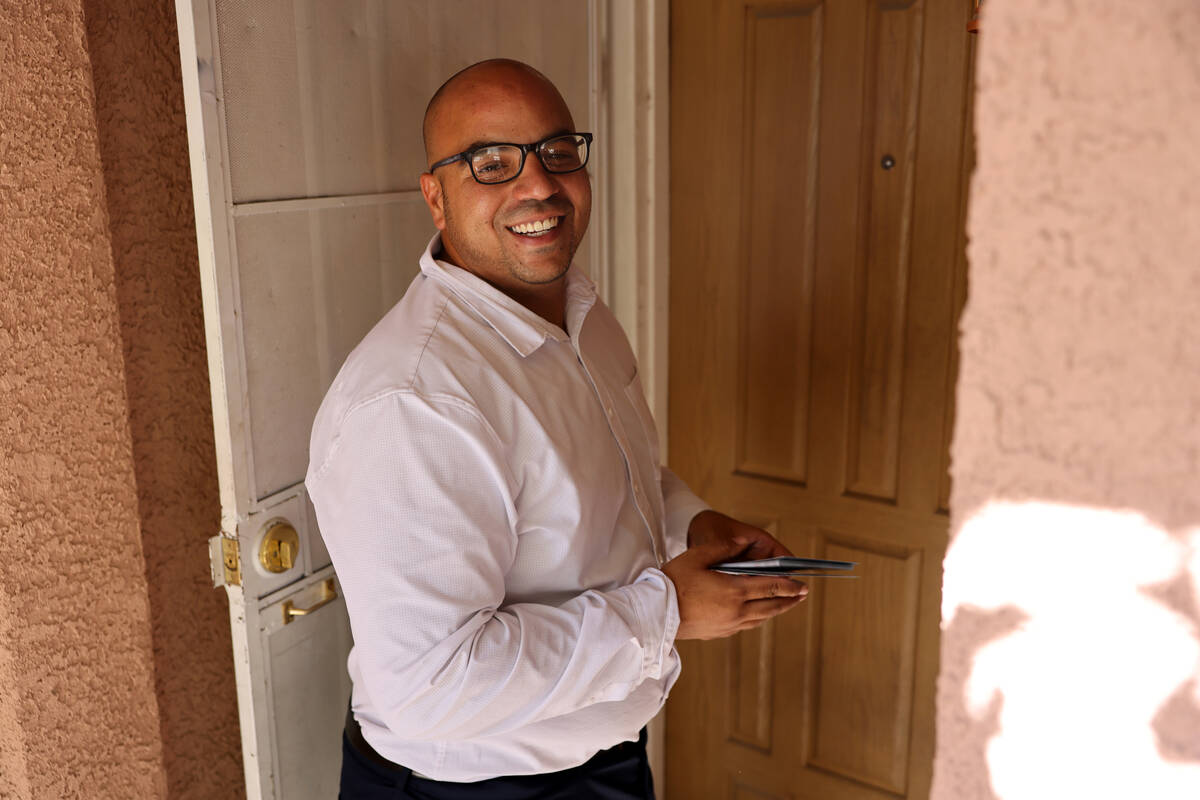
(636, 397)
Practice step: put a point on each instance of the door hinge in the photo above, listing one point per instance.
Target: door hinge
(224, 561)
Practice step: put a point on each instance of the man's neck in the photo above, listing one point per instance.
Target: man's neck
(548, 301)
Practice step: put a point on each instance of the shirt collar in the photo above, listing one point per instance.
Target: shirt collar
(524, 330)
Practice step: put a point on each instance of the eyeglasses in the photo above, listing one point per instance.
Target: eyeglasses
(501, 162)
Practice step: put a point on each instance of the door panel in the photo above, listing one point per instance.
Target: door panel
(865, 665)
(304, 123)
(326, 99)
(312, 283)
(306, 717)
(818, 151)
(783, 66)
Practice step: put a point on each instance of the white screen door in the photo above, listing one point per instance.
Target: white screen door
(304, 122)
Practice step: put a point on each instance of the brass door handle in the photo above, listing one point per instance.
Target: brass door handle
(328, 595)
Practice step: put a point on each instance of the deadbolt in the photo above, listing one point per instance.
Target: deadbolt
(280, 547)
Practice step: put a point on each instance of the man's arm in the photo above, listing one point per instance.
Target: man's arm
(416, 507)
(680, 507)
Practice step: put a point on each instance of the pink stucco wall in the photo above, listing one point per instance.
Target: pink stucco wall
(116, 676)
(77, 706)
(134, 51)
(1071, 613)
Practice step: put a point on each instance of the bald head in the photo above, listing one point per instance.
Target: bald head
(475, 88)
(518, 234)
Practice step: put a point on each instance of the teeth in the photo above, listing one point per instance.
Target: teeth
(535, 227)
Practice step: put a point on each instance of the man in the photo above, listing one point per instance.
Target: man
(516, 564)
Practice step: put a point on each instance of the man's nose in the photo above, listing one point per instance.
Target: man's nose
(535, 182)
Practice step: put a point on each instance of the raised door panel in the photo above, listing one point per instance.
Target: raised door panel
(864, 664)
(782, 64)
(883, 228)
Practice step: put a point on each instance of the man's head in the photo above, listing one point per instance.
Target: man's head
(501, 101)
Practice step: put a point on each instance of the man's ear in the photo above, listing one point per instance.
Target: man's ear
(431, 190)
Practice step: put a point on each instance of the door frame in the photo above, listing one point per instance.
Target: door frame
(631, 241)
(630, 53)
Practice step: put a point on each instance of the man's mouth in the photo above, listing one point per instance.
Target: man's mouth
(536, 228)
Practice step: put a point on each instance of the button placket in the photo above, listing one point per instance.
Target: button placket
(640, 501)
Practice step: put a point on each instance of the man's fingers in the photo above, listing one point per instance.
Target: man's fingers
(757, 588)
(756, 612)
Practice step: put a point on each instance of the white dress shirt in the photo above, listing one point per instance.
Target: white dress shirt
(489, 489)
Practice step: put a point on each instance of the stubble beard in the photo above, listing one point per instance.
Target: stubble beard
(507, 264)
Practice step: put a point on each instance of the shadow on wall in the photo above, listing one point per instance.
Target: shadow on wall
(1176, 726)
(134, 52)
(972, 630)
(1071, 655)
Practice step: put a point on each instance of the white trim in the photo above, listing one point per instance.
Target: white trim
(631, 246)
(633, 183)
(200, 81)
(600, 168)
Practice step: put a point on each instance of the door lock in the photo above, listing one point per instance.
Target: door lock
(280, 547)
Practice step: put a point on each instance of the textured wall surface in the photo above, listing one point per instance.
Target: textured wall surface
(134, 50)
(78, 716)
(1071, 612)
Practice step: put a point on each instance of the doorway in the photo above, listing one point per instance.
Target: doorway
(819, 160)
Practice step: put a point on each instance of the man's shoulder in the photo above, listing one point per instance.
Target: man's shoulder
(419, 347)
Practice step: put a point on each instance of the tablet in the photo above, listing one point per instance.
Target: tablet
(787, 566)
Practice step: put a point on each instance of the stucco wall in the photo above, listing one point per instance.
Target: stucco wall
(134, 50)
(78, 715)
(1071, 615)
(115, 665)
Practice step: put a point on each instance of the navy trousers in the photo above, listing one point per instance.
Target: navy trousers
(618, 773)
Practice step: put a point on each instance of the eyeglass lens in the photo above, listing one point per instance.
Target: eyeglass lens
(500, 163)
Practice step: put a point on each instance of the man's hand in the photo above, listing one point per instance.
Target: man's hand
(713, 605)
(710, 527)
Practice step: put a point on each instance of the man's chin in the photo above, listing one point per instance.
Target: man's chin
(545, 270)
(541, 275)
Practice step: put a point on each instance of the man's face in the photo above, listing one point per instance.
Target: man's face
(478, 221)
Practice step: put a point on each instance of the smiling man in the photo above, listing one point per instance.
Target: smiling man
(516, 564)
(520, 237)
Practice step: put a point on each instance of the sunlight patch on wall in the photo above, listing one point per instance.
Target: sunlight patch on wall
(1098, 686)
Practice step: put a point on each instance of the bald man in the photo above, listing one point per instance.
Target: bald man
(516, 564)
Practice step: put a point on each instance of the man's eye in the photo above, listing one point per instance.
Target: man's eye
(561, 159)
(492, 165)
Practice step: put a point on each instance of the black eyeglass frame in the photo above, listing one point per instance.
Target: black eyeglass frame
(525, 149)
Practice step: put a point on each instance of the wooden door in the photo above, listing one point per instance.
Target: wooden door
(819, 152)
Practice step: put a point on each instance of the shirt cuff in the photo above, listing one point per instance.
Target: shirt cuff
(657, 608)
